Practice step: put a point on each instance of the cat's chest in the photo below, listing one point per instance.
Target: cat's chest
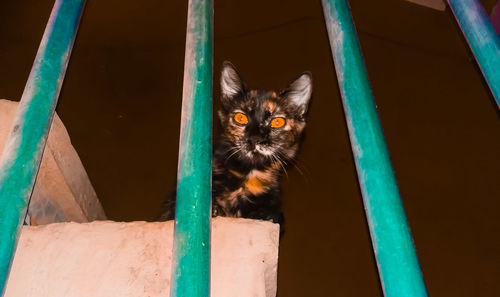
(254, 182)
(244, 187)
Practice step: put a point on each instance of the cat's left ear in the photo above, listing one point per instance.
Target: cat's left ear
(299, 91)
(231, 82)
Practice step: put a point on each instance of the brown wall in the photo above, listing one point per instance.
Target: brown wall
(121, 105)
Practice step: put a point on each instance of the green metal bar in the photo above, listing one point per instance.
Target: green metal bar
(191, 268)
(22, 155)
(397, 261)
(483, 40)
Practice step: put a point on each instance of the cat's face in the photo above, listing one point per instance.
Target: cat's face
(261, 126)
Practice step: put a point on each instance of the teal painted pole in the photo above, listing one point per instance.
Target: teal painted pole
(191, 266)
(21, 157)
(483, 40)
(397, 261)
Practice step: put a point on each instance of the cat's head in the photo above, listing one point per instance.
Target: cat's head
(262, 126)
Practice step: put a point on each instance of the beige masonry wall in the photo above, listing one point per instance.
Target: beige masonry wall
(63, 191)
(107, 259)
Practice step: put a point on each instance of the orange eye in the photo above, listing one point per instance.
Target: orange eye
(240, 118)
(277, 122)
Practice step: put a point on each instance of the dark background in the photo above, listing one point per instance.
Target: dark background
(121, 105)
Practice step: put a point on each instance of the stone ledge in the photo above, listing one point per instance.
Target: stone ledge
(62, 191)
(105, 259)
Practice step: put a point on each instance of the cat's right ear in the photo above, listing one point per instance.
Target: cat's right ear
(231, 83)
(299, 92)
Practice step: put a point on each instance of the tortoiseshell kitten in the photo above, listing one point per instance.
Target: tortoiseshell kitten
(261, 131)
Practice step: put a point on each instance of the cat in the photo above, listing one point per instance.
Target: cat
(261, 132)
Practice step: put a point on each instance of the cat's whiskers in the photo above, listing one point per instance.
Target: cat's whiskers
(297, 165)
(236, 150)
(281, 158)
(280, 162)
(231, 149)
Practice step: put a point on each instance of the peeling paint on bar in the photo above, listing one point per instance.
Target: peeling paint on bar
(21, 157)
(483, 40)
(191, 266)
(397, 261)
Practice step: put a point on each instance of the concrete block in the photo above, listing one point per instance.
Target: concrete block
(106, 259)
(434, 4)
(62, 191)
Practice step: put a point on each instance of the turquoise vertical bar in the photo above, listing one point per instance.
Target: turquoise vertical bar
(24, 148)
(191, 266)
(482, 38)
(397, 261)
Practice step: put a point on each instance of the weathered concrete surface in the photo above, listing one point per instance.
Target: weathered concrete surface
(435, 4)
(63, 191)
(105, 259)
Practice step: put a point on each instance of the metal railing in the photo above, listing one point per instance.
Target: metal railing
(483, 40)
(23, 151)
(397, 261)
(191, 266)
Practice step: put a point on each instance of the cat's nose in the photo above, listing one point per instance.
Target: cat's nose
(251, 144)
(253, 141)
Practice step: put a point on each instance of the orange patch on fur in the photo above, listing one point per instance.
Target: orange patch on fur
(254, 186)
(258, 181)
(275, 165)
(235, 173)
(270, 106)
